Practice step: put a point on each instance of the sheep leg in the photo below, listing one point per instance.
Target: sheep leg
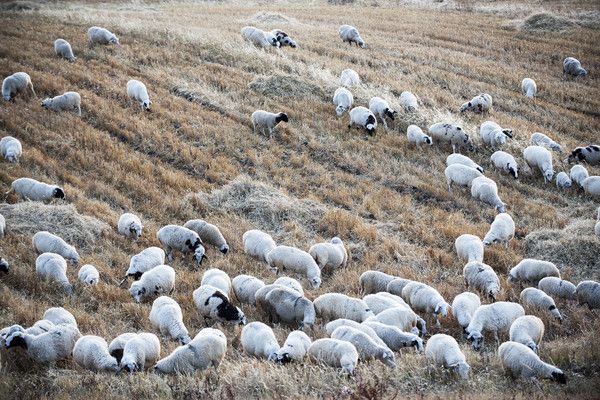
(384, 123)
(32, 91)
(496, 337)
(79, 110)
(270, 133)
(169, 252)
(438, 325)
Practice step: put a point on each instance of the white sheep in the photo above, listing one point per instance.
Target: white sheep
(66, 101)
(530, 270)
(521, 362)
(343, 100)
(88, 274)
(259, 38)
(117, 345)
(91, 352)
(63, 49)
(265, 121)
(46, 242)
(482, 277)
(461, 175)
(363, 118)
(452, 134)
(335, 353)
(495, 317)
(381, 108)
(578, 174)
(140, 352)
(36, 329)
(349, 78)
(130, 225)
(540, 158)
(366, 347)
(464, 306)
(403, 318)
(289, 283)
(539, 139)
(505, 162)
(4, 265)
(330, 306)
(214, 304)
(572, 66)
(208, 233)
(394, 337)
(591, 185)
(101, 36)
(11, 149)
(295, 347)
(527, 330)
(381, 301)
(443, 350)
(588, 292)
(175, 237)
(485, 189)
(469, 247)
(16, 83)
(563, 181)
(457, 158)
(258, 243)
(350, 34)
(479, 104)
(589, 154)
(30, 189)
(295, 260)
(333, 325)
(166, 316)
(415, 135)
(502, 230)
(144, 261)
(396, 285)
(245, 287)
(158, 281)
(374, 281)
(538, 299)
(529, 87)
(557, 287)
(49, 347)
(217, 278)
(58, 315)
(258, 340)
(53, 267)
(424, 298)
(493, 134)
(284, 39)
(330, 256)
(137, 91)
(409, 101)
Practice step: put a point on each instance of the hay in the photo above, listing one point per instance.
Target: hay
(28, 218)
(19, 6)
(287, 86)
(268, 18)
(545, 22)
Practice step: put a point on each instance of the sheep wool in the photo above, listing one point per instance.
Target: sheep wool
(97, 35)
(130, 225)
(482, 277)
(58, 316)
(374, 281)
(530, 270)
(363, 118)
(4, 265)
(64, 102)
(88, 274)
(265, 121)
(403, 318)
(258, 244)
(366, 347)
(381, 108)
(343, 100)
(591, 185)
(502, 230)
(166, 315)
(49, 347)
(330, 306)
(415, 135)
(140, 352)
(214, 304)
(381, 301)
(572, 67)
(330, 327)
(527, 330)
(578, 174)
(452, 134)
(208, 233)
(30, 189)
(284, 39)
(588, 292)
(11, 149)
(396, 285)
(349, 78)
(63, 49)
(393, 337)
(409, 101)
(464, 306)
(469, 248)
(245, 287)
(46, 242)
(557, 287)
(479, 104)
(486, 190)
(529, 87)
(53, 267)
(350, 34)
(464, 160)
(461, 175)
(538, 157)
(563, 181)
(424, 298)
(137, 91)
(521, 362)
(335, 353)
(158, 281)
(589, 154)
(2, 226)
(295, 260)
(259, 38)
(295, 347)
(505, 162)
(116, 347)
(443, 350)
(16, 83)
(184, 240)
(217, 278)
(495, 317)
(539, 139)
(258, 340)
(290, 283)
(91, 352)
(493, 134)
(144, 261)
(538, 299)
(330, 256)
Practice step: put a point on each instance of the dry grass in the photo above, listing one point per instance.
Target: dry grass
(195, 156)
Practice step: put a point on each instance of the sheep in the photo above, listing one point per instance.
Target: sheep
(130, 225)
(156, 282)
(591, 185)
(258, 244)
(572, 66)
(214, 304)
(366, 347)
(11, 149)
(538, 299)
(30, 189)
(4, 265)
(166, 316)
(588, 292)
(333, 325)
(415, 135)
(295, 347)
(330, 306)
(464, 306)
(284, 39)
(258, 340)
(97, 35)
(505, 162)
(452, 134)
(335, 353)
(403, 318)
(350, 34)
(36, 329)
(464, 160)
(288, 306)
(290, 283)
(259, 38)
(88, 274)
(137, 91)
(396, 285)
(63, 49)
(117, 345)
(343, 100)
(443, 350)
(66, 101)
(521, 362)
(381, 301)
(245, 287)
(140, 352)
(529, 87)
(409, 101)
(380, 108)
(266, 121)
(349, 78)
(527, 330)
(563, 181)
(530, 270)
(479, 104)
(330, 255)
(483, 278)
(495, 317)
(578, 174)
(16, 83)
(493, 134)
(486, 190)
(175, 237)
(539, 139)
(49, 347)
(502, 230)
(217, 278)
(363, 118)
(144, 261)
(424, 298)
(54, 267)
(91, 352)
(208, 233)
(374, 281)
(393, 337)
(46, 242)
(557, 287)
(460, 175)
(296, 260)
(2, 226)
(469, 247)
(589, 154)
(58, 315)
(540, 158)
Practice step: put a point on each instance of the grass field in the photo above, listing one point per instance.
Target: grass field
(195, 156)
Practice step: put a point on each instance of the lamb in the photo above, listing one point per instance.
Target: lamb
(363, 118)
(53, 267)
(290, 283)
(2, 226)
(91, 352)
(495, 317)
(563, 181)
(63, 49)
(335, 353)
(266, 121)
(88, 274)
(464, 306)
(572, 66)
(380, 108)
(214, 304)
(409, 101)
(259, 38)
(350, 34)
(530, 270)
(396, 285)
(16, 83)
(479, 104)
(296, 260)
(330, 256)
(415, 135)
(11, 149)
(394, 337)
(493, 134)
(460, 175)
(539, 157)
(469, 247)
(284, 39)
(208, 233)
(539, 139)
(502, 230)
(366, 347)
(295, 347)
(374, 281)
(589, 154)
(527, 330)
(452, 134)
(117, 346)
(521, 362)
(258, 340)
(97, 35)
(4, 265)
(403, 318)
(330, 306)
(217, 278)
(424, 298)
(443, 350)
(144, 261)
(175, 237)
(166, 316)
(557, 287)
(505, 162)
(528, 87)
(245, 287)
(30, 189)
(588, 292)
(486, 190)
(46, 242)
(58, 315)
(536, 298)
(66, 101)
(130, 225)
(137, 91)
(343, 100)
(578, 174)
(49, 347)
(591, 185)
(483, 278)
(140, 352)
(381, 301)
(349, 78)
(333, 325)
(156, 282)
(258, 244)
(464, 160)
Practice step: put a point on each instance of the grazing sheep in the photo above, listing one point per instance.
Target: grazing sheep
(349, 78)
(288, 306)
(527, 330)
(521, 362)
(284, 39)
(396, 285)
(166, 316)
(140, 352)
(258, 340)
(374, 281)
(380, 108)
(295, 347)
(30, 189)
(97, 35)
(540, 158)
(214, 304)
(539, 139)
(36, 329)
(486, 190)
(415, 135)
(452, 134)
(63, 49)
(290, 283)
(588, 292)
(578, 174)
(381, 301)
(296, 260)
(11, 149)
(58, 315)
(258, 244)
(366, 347)
(403, 318)
(130, 225)
(66, 101)
(424, 298)
(267, 121)
(589, 154)
(144, 261)
(91, 352)
(217, 278)
(49, 347)
(469, 247)
(158, 281)
(46, 242)
(363, 118)
(505, 162)
(409, 101)
(175, 237)
(572, 66)
(493, 134)
(443, 350)
(479, 104)
(394, 337)
(528, 87)
(591, 185)
(464, 306)
(245, 288)
(538, 299)
(563, 181)
(330, 256)
(16, 83)
(208, 233)
(343, 100)
(259, 38)
(531, 271)
(495, 317)
(350, 34)
(4, 265)
(333, 325)
(88, 274)
(53, 267)
(502, 230)
(330, 306)
(116, 347)
(482, 277)
(464, 160)
(335, 353)
(557, 287)
(460, 175)
(137, 91)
